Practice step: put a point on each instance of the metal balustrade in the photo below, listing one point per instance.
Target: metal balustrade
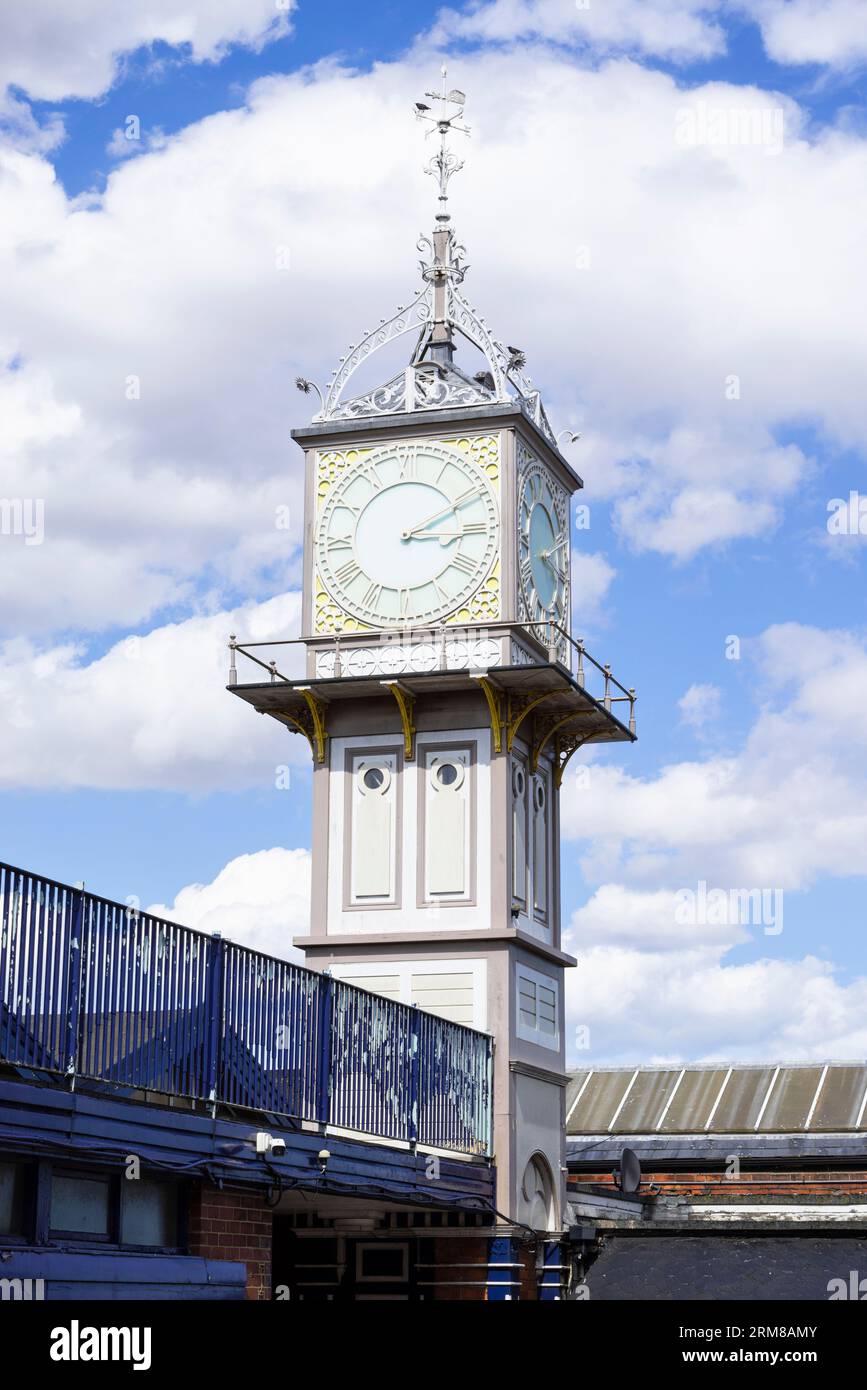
(556, 646)
(96, 990)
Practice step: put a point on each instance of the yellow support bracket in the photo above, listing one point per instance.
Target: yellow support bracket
(565, 750)
(526, 706)
(554, 727)
(318, 733)
(406, 704)
(495, 706)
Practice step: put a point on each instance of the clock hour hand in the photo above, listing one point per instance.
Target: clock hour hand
(555, 569)
(432, 535)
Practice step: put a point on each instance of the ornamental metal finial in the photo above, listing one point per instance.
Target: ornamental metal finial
(444, 163)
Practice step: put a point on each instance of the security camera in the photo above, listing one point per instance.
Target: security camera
(323, 1156)
(269, 1144)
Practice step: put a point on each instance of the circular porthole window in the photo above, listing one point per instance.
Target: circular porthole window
(447, 772)
(374, 779)
(519, 781)
(539, 796)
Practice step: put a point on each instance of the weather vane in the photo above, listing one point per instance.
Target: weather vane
(444, 163)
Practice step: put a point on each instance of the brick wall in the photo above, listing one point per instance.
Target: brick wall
(455, 1282)
(799, 1186)
(233, 1225)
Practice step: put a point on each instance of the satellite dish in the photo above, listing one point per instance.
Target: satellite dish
(629, 1176)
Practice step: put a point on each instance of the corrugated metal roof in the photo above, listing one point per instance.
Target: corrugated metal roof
(785, 1099)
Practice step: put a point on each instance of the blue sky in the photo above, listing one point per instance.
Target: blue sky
(708, 514)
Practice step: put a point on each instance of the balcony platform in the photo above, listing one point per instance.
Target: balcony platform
(542, 703)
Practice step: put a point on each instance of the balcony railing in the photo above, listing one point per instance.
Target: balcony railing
(96, 990)
(557, 645)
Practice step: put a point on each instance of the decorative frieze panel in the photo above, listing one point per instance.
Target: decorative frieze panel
(396, 658)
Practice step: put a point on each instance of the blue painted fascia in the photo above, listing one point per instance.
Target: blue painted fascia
(103, 1275)
(51, 1122)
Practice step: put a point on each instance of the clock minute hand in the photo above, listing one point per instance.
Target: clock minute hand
(550, 551)
(435, 516)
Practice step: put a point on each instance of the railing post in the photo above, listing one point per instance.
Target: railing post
(606, 699)
(233, 669)
(632, 699)
(216, 973)
(324, 1044)
(414, 1063)
(73, 998)
(579, 675)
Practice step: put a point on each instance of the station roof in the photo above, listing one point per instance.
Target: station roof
(766, 1099)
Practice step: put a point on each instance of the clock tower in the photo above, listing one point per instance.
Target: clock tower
(444, 692)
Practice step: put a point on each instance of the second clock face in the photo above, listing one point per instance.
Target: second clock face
(543, 550)
(407, 535)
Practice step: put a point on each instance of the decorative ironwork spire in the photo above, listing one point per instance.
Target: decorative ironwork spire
(438, 314)
(445, 163)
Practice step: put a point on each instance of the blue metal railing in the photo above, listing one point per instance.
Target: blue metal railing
(94, 989)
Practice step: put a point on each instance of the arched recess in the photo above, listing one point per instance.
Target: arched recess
(536, 1204)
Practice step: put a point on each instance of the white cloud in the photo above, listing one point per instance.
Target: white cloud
(701, 705)
(832, 32)
(258, 900)
(592, 577)
(745, 265)
(153, 712)
(784, 812)
(676, 29)
(660, 1006)
(74, 50)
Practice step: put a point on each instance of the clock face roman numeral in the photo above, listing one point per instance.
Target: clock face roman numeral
(372, 597)
(347, 572)
(464, 564)
(409, 468)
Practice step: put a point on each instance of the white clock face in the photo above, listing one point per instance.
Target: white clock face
(407, 535)
(543, 549)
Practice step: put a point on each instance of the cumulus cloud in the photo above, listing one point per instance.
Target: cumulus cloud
(661, 1006)
(592, 577)
(152, 334)
(152, 712)
(680, 30)
(779, 815)
(831, 32)
(55, 51)
(785, 810)
(700, 706)
(258, 900)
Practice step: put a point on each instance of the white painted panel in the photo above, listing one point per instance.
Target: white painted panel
(371, 859)
(448, 994)
(453, 989)
(467, 912)
(374, 794)
(447, 811)
(388, 985)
